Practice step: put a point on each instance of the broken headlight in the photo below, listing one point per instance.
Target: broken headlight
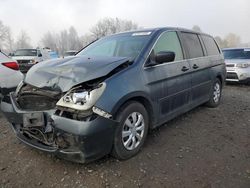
(80, 99)
(243, 65)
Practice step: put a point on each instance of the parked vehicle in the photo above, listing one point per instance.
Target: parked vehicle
(10, 76)
(26, 58)
(53, 55)
(106, 98)
(237, 64)
(70, 53)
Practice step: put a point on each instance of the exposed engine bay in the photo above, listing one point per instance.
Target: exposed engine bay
(76, 104)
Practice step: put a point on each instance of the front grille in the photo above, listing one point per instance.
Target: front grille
(36, 102)
(36, 99)
(230, 65)
(232, 75)
(23, 61)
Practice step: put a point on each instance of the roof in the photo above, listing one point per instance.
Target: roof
(163, 29)
(236, 48)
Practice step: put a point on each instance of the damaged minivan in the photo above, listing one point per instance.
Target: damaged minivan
(105, 99)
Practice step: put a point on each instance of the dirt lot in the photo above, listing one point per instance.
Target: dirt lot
(203, 148)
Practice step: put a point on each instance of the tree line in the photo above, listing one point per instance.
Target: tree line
(230, 40)
(67, 39)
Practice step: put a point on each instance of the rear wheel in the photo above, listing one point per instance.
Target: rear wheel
(215, 96)
(132, 130)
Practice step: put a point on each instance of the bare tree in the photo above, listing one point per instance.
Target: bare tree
(196, 28)
(109, 26)
(232, 40)
(23, 41)
(3, 34)
(63, 41)
(50, 40)
(73, 39)
(9, 41)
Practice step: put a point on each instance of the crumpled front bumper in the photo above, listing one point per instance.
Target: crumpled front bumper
(79, 141)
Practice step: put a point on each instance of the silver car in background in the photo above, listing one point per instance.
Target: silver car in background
(10, 76)
(237, 64)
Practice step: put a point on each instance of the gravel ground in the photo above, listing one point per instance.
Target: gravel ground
(207, 148)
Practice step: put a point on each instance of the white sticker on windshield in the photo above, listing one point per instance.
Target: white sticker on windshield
(141, 33)
(247, 50)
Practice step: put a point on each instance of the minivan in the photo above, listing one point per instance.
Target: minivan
(105, 99)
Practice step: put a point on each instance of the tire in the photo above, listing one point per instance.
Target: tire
(133, 125)
(215, 96)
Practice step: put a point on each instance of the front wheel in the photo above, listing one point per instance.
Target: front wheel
(215, 96)
(131, 131)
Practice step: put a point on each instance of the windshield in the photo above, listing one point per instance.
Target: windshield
(26, 52)
(237, 54)
(69, 54)
(128, 45)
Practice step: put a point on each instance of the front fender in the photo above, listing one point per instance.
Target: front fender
(122, 87)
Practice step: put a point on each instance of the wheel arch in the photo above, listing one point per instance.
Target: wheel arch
(142, 99)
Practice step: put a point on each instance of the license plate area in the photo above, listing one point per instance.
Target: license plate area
(33, 120)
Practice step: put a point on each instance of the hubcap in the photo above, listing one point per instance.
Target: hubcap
(133, 131)
(217, 92)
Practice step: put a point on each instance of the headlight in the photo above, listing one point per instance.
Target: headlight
(81, 99)
(243, 65)
(32, 61)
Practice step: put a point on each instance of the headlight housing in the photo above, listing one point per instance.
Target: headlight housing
(32, 61)
(243, 65)
(80, 99)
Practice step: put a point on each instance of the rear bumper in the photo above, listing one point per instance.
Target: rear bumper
(78, 141)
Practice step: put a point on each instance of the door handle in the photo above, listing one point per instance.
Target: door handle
(184, 69)
(195, 66)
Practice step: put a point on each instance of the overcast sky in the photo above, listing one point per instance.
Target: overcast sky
(216, 17)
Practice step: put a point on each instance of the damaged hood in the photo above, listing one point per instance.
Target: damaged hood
(63, 74)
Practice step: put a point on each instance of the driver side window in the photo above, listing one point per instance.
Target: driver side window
(169, 41)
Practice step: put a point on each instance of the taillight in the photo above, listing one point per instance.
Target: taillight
(11, 65)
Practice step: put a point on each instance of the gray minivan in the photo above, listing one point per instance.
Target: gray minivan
(106, 98)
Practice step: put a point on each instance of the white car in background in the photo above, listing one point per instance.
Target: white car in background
(10, 76)
(237, 64)
(26, 58)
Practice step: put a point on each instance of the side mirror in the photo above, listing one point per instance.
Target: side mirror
(164, 57)
(160, 57)
(40, 55)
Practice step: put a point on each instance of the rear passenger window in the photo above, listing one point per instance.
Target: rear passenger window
(169, 41)
(210, 45)
(192, 45)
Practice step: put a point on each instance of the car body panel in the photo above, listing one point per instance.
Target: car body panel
(71, 71)
(9, 78)
(93, 137)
